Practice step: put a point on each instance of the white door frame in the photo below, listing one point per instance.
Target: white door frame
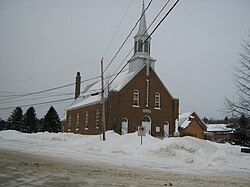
(147, 124)
(166, 129)
(124, 126)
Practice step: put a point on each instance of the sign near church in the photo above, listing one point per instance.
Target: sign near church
(141, 131)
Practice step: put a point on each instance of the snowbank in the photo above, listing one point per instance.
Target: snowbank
(183, 154)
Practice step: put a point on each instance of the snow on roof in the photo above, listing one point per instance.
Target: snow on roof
(184, 119)
(90, 94)
(63, 118)
(218, 127)
(84, 101)
(121, 80)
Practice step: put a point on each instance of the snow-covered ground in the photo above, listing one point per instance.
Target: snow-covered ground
(184, 154)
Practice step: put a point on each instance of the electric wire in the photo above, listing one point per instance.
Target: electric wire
(144, 41)
(41, 103)
(142, 35)
(118, 51)
(40, 97)
(87, 93)
(118, 28)
(47, 90)
(46, 74)
(115, 75)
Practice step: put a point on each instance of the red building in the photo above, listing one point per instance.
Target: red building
(135, 97)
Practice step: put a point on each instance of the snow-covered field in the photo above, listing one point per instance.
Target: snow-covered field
(185, 154)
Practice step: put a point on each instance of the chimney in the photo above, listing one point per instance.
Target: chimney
(77, 85)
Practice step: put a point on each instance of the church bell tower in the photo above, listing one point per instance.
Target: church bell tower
(142, 44)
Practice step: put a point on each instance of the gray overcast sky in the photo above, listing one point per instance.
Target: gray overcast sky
(43, 43)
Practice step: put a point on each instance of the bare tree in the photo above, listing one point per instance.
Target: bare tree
(240, 105)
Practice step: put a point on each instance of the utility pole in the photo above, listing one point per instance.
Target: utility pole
(103, 103)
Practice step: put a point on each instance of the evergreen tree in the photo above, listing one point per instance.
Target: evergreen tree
(15, 121)
(205, 120)
(51, 121)
(30, 120)
(242, 132)
(40, 125)
(2, 124)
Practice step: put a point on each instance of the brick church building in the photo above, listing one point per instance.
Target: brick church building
(136, 97)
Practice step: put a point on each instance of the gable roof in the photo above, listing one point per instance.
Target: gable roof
(92, 92)
(122, 80)
(186, 118)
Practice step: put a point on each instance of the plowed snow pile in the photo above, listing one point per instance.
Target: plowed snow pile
(181, 154)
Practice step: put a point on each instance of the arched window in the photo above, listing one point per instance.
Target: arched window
(146, 119)
(125, 120)
(146, 122)
(157, 100)
(86, 120)
(97, 118)
(136, 98)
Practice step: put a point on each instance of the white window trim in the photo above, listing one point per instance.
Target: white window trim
(159, 96)
(138, 100)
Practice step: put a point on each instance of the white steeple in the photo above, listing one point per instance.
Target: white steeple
(143, 25)
(142, 44)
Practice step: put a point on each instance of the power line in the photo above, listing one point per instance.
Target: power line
(39, 92)
(42, 103)
(118, 28)
(127, 36)
(46, 74)
(54, 101)
(60, 87)
(143, 34)
(61, 100)
(47, 90)
(41, 97)
(145, 40)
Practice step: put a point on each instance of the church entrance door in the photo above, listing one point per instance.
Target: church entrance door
(146, 122)
(166, 129)
(124, 126)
